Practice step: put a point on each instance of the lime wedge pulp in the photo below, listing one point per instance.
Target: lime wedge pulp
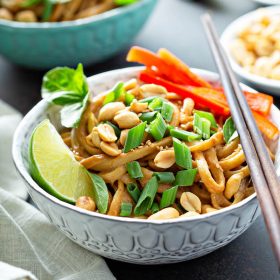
(53, 165)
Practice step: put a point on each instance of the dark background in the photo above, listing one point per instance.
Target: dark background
(175, 25)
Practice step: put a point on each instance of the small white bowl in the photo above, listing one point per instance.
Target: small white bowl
(267, 2)
(231, 32)
(126, 239)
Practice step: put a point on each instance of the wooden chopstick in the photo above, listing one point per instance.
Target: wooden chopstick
(261, 167)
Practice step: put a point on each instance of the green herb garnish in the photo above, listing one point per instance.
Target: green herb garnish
(229, 130)
(67, 87)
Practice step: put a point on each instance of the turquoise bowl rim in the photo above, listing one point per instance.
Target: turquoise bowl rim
(78, 22)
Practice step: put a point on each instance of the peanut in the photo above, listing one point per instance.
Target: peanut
(190, 202)
(108, 111)
(130, 84)
(189, 214)
(138, 107)
(86, 202)
(165, 159)
(5, 14)
(165, 214)
(126, 119)
(106, 133)
(153, 89)
(26, 16)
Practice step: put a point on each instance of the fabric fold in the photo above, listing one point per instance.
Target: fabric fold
(30, 246)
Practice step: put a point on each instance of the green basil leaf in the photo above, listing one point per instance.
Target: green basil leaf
(71, 114)
(63, 85)
(229, 130)
(100, 192)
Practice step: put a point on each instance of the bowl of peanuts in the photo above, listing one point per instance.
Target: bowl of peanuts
(166, 239)
(252, 43)
(41, 37)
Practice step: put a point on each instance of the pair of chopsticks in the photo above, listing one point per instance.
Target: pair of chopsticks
(261, 167)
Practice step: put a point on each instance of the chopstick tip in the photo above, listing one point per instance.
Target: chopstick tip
(206, 17)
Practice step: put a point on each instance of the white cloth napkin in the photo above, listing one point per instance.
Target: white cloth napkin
(30, 247)
(9, 178)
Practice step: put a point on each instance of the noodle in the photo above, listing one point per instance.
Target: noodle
(222, 177)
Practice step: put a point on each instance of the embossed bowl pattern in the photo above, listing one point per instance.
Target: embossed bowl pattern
(130, 240)
(89, 40)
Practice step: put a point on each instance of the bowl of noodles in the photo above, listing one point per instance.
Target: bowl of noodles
(182, 191)
(67, 37)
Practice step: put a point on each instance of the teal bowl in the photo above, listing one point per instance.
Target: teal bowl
(89, 40)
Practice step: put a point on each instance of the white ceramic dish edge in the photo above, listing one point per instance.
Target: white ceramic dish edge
(269, 85)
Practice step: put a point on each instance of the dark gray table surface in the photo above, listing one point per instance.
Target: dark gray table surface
(175, 25)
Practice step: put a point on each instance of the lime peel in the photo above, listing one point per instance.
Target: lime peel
(54, 167)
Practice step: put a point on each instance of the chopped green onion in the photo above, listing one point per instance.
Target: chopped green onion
(148, 99)
(134, 191)
(29, 3)
(165, 177)
(148, 116)
(154, 208)
(156, 104)
(183, 155)
(170, 127)
(128, 98)
(229, 130)
(134, 170)
(134, 137)
(185, 178)
(126, 209)
(167, 111)
(115, 93)
(202, 126)
(147, 197)
(168, 197)
(47, 11)
(125, 2)
(116, 129)
(184, 135)
(208, 116)
(157, 127)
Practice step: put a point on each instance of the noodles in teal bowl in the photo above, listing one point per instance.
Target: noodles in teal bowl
(89, 40)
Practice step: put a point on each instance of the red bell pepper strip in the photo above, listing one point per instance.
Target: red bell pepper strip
(258, 102)
(175, 62)
(266, 126)
(166, 69)
(149, 76)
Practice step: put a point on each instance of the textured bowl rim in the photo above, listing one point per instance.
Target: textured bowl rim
(16, 153)
(230, 33)
(72, 23)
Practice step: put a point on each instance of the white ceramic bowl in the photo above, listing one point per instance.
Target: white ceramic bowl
(125, 239)
(267, 2)
(231, 32)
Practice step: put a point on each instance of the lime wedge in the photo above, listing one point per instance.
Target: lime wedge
(53, 165)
